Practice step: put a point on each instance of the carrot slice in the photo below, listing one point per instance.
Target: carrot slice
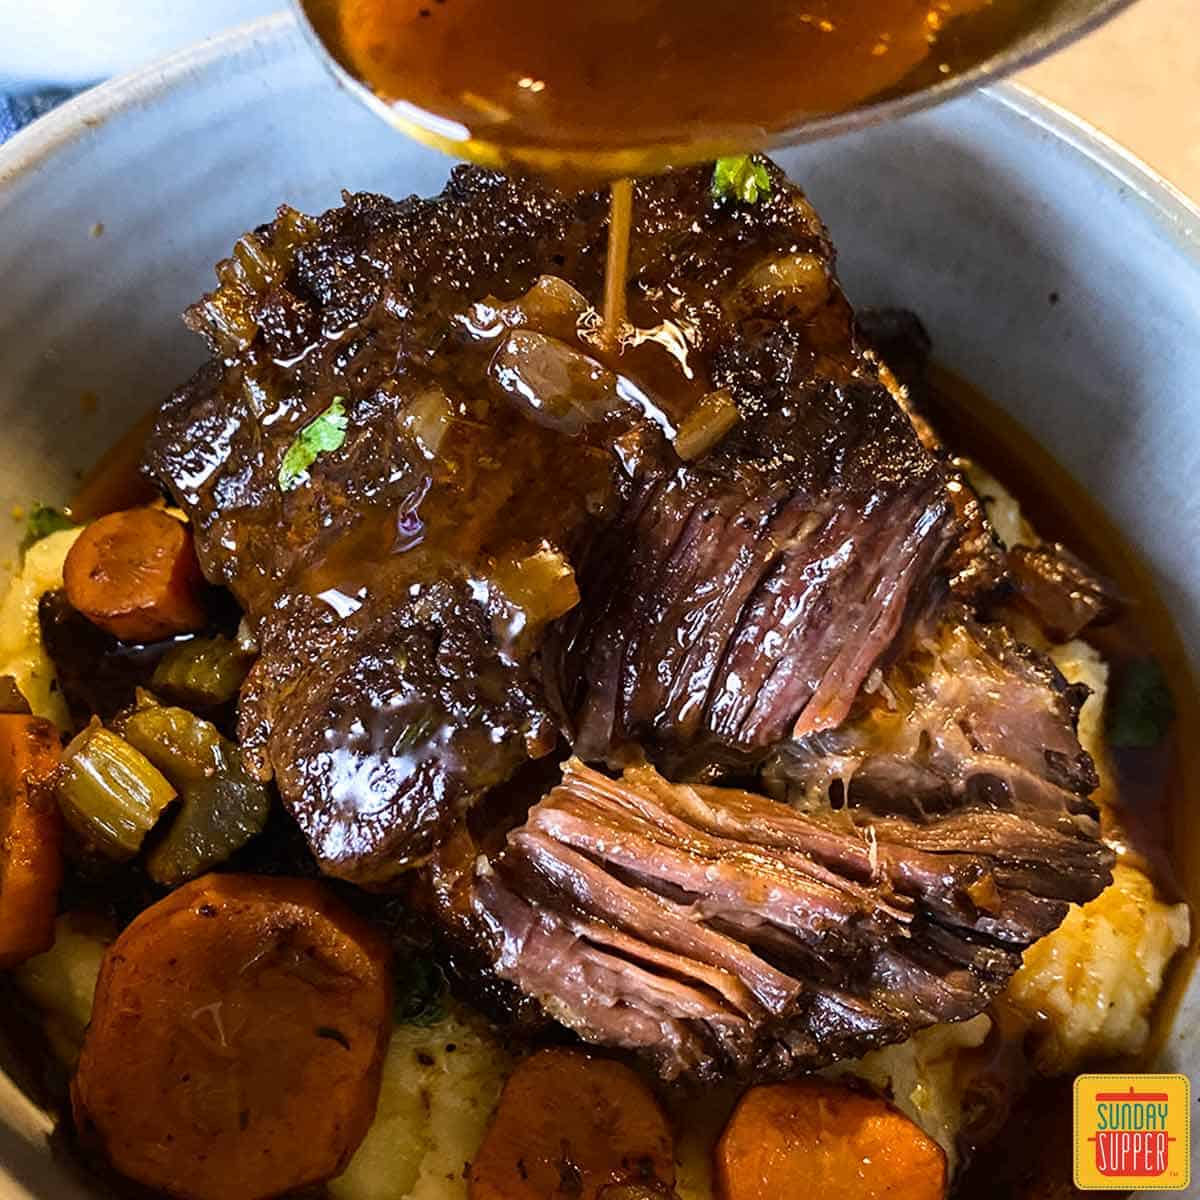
(816, 1138)
(237, 1040)
(572, 1125)
(30, 837)
(135, 574)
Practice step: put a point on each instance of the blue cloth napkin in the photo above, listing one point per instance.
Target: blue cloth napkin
(17, 109)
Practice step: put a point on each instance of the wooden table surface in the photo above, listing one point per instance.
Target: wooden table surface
(1138, 79)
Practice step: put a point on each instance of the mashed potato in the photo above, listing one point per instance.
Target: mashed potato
(1087, 990)
(21, 652)
(440, 1084)
(1003, 511)
(1081, 663)
(62, 983)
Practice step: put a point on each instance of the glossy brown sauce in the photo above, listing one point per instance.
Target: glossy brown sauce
(646, 83)
(616, 267)
(496, 478)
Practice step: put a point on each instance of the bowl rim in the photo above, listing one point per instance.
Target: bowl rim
(84, 117)
(88, 112)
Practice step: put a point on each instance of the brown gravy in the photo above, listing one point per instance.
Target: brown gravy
(635, 85)
(616, 268)
(1158, 788)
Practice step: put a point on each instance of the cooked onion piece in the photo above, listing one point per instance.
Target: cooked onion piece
(553, 383)
(713, 417)
(551, 306)
(541, 585)
(798, 283)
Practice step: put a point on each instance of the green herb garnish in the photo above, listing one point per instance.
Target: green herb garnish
(44, 520)
(1142, 708)
(743, 176)
(419, 730)
(420, 991)
(323, 433)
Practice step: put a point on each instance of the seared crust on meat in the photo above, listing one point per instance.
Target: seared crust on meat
(502, 548)
(377, 305)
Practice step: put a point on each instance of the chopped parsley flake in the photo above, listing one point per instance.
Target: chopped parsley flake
(420, 991)
(742, 176)
(322, 434)
(44, 520)
(1142, 707)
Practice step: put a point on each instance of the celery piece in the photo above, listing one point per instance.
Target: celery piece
(222, 805)
(218, 816)
(185, 747)
(110, 793)
(202, 672)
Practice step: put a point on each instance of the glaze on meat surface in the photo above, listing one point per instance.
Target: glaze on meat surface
(518, 548)
(822, 497)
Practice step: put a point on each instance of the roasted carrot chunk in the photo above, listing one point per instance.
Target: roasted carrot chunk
(135, 574)
(30, 837)
(237, 1040)
(572, 1125)
(817, 1138)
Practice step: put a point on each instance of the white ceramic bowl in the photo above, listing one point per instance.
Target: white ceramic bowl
(973, 214)
(80, 41)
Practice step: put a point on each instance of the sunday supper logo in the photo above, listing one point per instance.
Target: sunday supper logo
(1132, 1131)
